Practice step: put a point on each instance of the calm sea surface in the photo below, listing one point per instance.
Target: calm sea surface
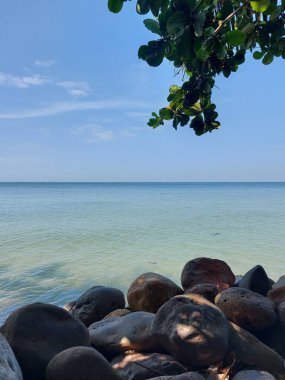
(57, 240)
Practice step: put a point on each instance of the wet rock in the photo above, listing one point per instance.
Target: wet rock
(256, 280)
(137, 366)
(9, 367)
(38, 332)
(251, 353)
(150, 291)
(97, 302)
(277, 295)
(247, 309)
(82, 363)
(118, 313)
(279, 283)
(208, 291)
(253, 375)
(205, 270)
(120, 334)
(192, 329)
(184, 376)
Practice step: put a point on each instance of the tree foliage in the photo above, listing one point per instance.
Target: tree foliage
(203, 39)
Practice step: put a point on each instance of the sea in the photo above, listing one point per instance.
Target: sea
(59, 239)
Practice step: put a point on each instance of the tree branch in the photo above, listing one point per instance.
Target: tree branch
(230, 16)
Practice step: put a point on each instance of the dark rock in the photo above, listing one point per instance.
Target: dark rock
(82, 363)
(118, 313)
(137, 366)
(97, 302)
(274, 337)
(38, 332)
(253, 375)
(69, 306)
(208, 291)
(192, 329)
(120, 334)
(205, 270)
(281, 313)
(279, 283)
(184, 376)
(256, 280)
(251, 353)
(247, 309)
(150, 291)
(9, 367)
(277, 295)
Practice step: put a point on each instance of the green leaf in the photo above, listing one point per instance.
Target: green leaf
(153, 53)
(198, 125)
(235, 37)
(177, 22)
(258, 54)
(268, 58)
(143, 6)
(260, 5)
(153, 26)
(155, 6)
(115, 5)
(166, 114)
(198, 23)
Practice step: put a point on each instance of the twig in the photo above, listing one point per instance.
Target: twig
(230, 16)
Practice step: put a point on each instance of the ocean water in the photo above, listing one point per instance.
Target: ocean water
(59, 239)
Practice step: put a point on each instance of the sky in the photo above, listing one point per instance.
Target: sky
(75, 101)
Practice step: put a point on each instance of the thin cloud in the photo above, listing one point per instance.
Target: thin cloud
(65, 107)
(22, 81)
(93, 133)
(76, 89)
(41, 63)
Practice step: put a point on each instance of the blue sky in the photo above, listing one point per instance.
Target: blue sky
(75, 100)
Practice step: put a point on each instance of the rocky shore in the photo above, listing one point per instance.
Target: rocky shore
(216, 326)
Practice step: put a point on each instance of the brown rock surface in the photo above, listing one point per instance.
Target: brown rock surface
(277, 295)
(208, 291)
(118, 313)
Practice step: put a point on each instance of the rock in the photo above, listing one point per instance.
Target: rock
(192, 329)
(277, 295)
(274, 337)
(281, 313)
(82, 363)
(279, 283)
(97, 302)
(120, 334)
(250, 352)
(69, 306)
(9, 367)
(256, 280)
(118, 313)
(150, 291)
(137, 366)
(247, 309)
(37, 332)
(208, 291)
(205, 270)
(184, 376)
(253, 375)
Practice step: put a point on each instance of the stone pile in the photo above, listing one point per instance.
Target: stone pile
(216, 326)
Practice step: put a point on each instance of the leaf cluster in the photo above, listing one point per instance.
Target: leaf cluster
(203, 39)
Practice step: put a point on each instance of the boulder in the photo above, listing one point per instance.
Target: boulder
(38, 332)
(82, 363)
(279, 283)
(184, 376)
(256, 280)
(208, 291)
(118, 313)
(281, 313)
(251, 353)
(274, 337)
(69, 306)
(192, 329)
(9, 367)
(97, 302)
(128, 332)
(205, 270)
(277, 295)
(137, 366)
(253, 375)
(247, 309)
(150, 291)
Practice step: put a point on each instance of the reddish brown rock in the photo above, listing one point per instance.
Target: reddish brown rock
(205, 270)
(247, 309)
(208, 291)
(120, 334)
(137, 366)
(277, 295)
(80, 363)
(192, 329)
(118, 313)
(150, 291)
(38, 332)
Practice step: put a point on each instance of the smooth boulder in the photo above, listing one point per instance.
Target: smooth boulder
(80, 363)
(38, 332)
(137, 366)
(208, 291)
(97, 302)
(9, 366)
(128, 332)
(205, 270)
(256, 280)
(192, 329)
(274, 337)
(247, 309)
(253, 375)
(150, 291)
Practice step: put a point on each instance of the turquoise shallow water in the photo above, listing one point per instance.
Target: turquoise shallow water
(56, 240)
